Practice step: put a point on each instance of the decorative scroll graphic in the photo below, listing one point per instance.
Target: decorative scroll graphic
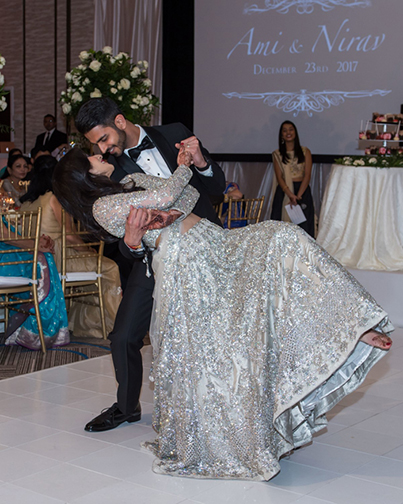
(306, 101)
(304, 6)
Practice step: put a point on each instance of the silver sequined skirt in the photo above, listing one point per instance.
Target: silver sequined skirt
(254, 336)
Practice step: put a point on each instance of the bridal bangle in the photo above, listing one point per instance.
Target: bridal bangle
(135, 247)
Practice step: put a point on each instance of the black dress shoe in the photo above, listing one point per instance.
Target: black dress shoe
(111, 418)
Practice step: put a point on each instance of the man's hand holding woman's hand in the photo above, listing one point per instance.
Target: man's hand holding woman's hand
(184, 156)
(191, 145)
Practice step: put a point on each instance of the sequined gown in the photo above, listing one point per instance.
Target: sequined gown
(255, 337)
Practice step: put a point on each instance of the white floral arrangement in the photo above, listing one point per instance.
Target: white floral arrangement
(116, 77)
(3, 102)
(380, 161)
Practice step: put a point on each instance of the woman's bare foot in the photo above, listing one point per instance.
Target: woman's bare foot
(376, 339)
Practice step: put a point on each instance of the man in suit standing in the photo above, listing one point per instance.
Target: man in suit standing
(151, 150)
(52, 137)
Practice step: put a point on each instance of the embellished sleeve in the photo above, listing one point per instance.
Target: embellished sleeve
(111, 211)
(186, 201)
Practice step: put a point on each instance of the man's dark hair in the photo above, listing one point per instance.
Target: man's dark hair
(96, 112)
(51, 116)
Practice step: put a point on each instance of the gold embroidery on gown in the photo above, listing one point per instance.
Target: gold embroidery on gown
(255, 337)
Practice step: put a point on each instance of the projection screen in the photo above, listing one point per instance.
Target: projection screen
(326, 65)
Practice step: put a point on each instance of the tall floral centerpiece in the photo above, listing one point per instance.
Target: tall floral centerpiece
(3, 102)
(102, 74)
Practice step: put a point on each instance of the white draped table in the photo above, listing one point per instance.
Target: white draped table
(361, 218)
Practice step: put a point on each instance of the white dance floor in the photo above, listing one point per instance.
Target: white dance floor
(47, 458)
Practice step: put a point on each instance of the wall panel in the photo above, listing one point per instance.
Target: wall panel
(31, 55)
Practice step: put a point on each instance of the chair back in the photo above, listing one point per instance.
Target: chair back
(16, 228)
(75, 282)
(247, 210)
(218, 209)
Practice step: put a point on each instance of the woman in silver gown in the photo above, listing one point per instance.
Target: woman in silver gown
(256, 332)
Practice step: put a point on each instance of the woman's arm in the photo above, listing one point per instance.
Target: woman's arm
(159, 193)
(281, 182)
(112, 211)
(7, 186)
(307, 175)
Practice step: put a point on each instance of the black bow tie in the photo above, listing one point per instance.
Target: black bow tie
(145, 145)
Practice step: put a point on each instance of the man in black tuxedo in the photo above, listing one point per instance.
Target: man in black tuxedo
(52, 137)
(151, 150)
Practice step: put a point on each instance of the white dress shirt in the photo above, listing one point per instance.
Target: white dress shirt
(152, 163)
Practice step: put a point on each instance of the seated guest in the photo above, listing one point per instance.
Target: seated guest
(84, 319)
(36, 152)
(12, 152)
(52, 137)
(22, 329)
(17, 170)
(231, 191)
(292, 168)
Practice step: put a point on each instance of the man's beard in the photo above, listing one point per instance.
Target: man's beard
(121, 143)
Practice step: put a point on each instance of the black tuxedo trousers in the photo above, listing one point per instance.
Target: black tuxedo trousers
(131, 325)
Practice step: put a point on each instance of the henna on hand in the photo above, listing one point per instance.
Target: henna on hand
(161, 219)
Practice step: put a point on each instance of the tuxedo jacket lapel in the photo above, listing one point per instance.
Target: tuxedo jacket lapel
(164, 147)
(129, 165)
(41, 139)
(123, 166)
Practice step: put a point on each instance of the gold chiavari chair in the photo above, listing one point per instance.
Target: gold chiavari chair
(248, 210)
(16, 227)
(79, 284)
(218, 209)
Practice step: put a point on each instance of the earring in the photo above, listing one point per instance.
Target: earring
(282, 140)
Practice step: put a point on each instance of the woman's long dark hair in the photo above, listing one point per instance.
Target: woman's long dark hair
(13, 152)
(77, 190)
(298, 152)
(41, 181)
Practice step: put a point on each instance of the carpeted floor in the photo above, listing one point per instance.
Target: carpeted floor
(16, 360)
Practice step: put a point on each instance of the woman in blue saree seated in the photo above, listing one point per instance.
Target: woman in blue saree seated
(232, 191)
(22, 328)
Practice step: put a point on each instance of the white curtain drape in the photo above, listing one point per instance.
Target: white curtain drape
(135, 27)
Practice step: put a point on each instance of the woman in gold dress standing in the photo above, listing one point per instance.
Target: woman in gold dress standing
(292, 168)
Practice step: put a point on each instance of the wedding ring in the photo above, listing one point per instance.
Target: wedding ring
(188, 145)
